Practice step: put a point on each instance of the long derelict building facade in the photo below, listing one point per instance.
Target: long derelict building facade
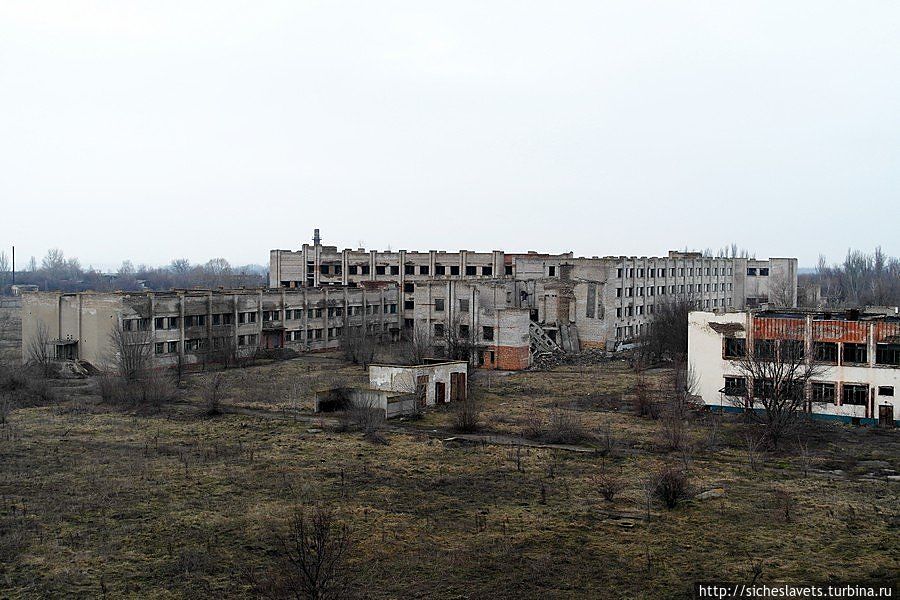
(572, 303)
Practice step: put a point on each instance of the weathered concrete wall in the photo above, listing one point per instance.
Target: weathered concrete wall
(195, 326)
(403, 379)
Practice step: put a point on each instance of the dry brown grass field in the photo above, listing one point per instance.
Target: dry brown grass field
(98, 501)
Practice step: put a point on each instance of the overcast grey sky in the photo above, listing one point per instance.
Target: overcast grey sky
(152, 130)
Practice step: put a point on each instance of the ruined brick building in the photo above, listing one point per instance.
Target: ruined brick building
(510, 305)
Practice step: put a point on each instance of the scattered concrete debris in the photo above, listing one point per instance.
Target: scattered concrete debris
(710, 494)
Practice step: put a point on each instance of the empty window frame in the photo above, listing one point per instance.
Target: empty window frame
(855, 353)
(439, 304)
(487, 270)
(735, 387)
(471, 270)
(855, 394)
(823, 392)
(463, 305)
(792, 350)
(887, 354)
(487, 333)
(409, 269)
(826, 352)
(885, 390)
(440, 270)
(438, 330)
(764, 349)
(734, 347)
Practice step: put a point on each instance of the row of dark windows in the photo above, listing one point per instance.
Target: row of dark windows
(856, 394)
(682, 272)
(487, 332)
(470, 270)
(825, 352)
(660, 290)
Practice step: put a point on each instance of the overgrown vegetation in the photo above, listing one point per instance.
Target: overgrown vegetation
(172, 503)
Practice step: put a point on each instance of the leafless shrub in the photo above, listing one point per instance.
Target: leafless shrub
(673, 430)
(784, 505)
(805, 456)
(565, 427)
(38, 350)
(609, 483)
(39, 391)
(671, 485)
(466, 412)
(534, 427)
(359, 346)
(213, 393)
(712, 425)
(7, 403)
(134, 382)
(753, 446)
(368, 419)
(311, 557)
(606, 441)
(643, 398)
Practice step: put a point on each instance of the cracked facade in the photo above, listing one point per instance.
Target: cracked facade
(572, 303)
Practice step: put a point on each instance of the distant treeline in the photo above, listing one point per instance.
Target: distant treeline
(56, 272)
(862, 279)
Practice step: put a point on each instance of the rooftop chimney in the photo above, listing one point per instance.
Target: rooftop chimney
(316, 239)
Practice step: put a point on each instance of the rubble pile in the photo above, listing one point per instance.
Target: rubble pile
(547, 360)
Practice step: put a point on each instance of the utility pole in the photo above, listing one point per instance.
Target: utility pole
(14, 266)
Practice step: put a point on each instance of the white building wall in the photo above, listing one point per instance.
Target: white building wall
(705, 356)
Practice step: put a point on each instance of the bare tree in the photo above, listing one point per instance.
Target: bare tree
(133, 379)
(39, 351)
(666, 338)
(460, 340)
(359, 346)
(131, 352)
(311, 557)
(861, 279)
(776, 375)
(417, 348)
(781, 290)
(213, 393)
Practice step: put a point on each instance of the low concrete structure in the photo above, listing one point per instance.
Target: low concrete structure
(432, 384)
(401, 389)
(392, 403)
(859, 354)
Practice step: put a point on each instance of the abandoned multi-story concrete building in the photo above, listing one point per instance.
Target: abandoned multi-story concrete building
(187, 327)
(572, 303)
(857, 355)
